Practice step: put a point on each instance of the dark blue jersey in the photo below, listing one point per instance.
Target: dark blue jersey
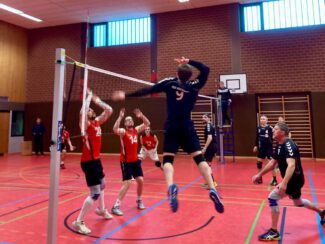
(289, 149)
(264, 136)
(181, 96)
(224, 93)
(210, 130)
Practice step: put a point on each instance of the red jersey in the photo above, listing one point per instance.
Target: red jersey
(149, 142)
(92, 142)
(129, 146)
(65, 136)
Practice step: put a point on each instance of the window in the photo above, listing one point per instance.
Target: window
(121, 32)
(17, 123)
(282, 14)
(252, 18)
(100, 35)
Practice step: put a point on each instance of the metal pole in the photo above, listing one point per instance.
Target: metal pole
(55, 152)
(220, 128)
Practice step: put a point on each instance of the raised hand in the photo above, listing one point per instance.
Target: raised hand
(122, 112)
(181, 60)
(137, 113)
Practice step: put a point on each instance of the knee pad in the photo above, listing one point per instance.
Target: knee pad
(158, 164)
(272, 202)
(259, 164)
(95, 192)
(95, 196)
(168, 159)
(274, 205)
(199, 159)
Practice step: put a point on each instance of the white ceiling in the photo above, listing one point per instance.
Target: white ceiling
(61, 12)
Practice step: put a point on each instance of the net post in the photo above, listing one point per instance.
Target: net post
(56, 139)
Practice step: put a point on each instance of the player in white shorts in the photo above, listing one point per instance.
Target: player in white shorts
(149, 145)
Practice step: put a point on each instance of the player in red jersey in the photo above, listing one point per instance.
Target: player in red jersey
(149, 145)
(65, 139)
(90, 160)
(130, 164)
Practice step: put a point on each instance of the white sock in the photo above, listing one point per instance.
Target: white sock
(85, 208)
(101, 203)
(117, 203)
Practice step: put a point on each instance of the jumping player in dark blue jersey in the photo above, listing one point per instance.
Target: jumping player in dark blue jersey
(287, 157)
(181, 95)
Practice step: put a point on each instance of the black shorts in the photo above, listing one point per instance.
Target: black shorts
(210, 152)
(181, 134)
(294, 188)
(132, 169)
(265, 152)
(93, 171)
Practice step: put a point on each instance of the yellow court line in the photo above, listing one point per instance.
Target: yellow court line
(39, 210)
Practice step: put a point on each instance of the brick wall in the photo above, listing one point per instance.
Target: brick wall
(284, 60)
(274, 61)
(41, 58)
(129, 60)
(201, 34)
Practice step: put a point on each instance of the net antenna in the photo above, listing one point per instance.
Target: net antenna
(85, 82)
(84, 94)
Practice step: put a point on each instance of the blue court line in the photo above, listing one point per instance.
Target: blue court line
(320, 229)
(282, 224)
(145, 211)
(23, 199)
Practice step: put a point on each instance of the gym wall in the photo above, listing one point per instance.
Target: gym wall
(287, 60)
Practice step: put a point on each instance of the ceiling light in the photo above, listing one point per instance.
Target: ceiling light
(183, 1)
(10, 9)
(21, 13)
(31, 17)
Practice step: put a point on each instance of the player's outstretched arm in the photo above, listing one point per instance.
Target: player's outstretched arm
(116, 128)
(107, 110)
(145, 120)
(84, 109)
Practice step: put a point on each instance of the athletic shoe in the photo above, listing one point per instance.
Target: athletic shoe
(217, 201)
(274, 182)
(117, 211)
(81, 227)
(172, 196)
(140, 205)
(270, 235)
(104, 213)
(322, 217)
(62, 166)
